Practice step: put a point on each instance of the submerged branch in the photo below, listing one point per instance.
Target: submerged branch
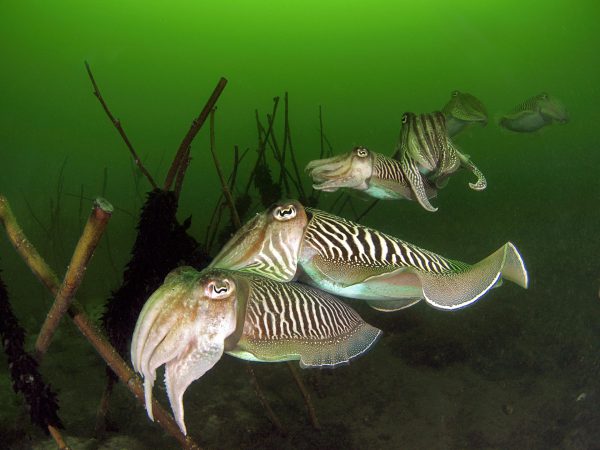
(90, 237)
(119, 128)
(43, 272)
(183, 150)
(234, 215)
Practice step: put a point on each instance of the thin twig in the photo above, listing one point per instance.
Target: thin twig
(288, 133)
(57, 436)
(119, 128)
(261, 397)
(306, 395)
(43, 272)
(234, 215)
(321, 135)
(369, 208)
(197, 123)
(262, 143)
(101, 213)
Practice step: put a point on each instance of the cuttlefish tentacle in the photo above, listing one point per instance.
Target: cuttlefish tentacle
(245, 315)
(415, 178)
(465, 162)
(350, 260)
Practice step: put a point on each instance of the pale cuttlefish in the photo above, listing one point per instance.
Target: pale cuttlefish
(463, 110)
(290, 242)
(195, 317)
(535, 113)
(361, 169)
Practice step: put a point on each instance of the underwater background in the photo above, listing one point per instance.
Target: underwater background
(518, 369)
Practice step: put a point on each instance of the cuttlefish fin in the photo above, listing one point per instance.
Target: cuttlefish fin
(466, 285)
(311, 352)
(196, 359)
(336, 273)
(392, 305)
(312, 326)
(415, 180)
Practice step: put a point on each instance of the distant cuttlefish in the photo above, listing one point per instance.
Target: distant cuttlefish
(462, 110)
(535, 113)
(194, 317)
(290, 242)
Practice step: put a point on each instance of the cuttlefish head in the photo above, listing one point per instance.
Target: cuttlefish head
(268, 244)
(186, 324)
(552, 108)
(466, 107)
(350, 170)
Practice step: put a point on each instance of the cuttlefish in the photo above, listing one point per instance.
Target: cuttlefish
(289, 242)
(462, 110)
(426, 149)
(194, 317)
(422, 164)
(535, 113)
(361, 169)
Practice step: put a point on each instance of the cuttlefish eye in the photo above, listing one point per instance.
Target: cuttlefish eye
(218, 289)
(544, 96)
(362, 152)
(405, 118)
(283, 213)
(455, 93)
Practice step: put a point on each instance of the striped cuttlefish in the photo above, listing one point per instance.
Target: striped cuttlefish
(194, 317)
(289, 242)
(422, 164)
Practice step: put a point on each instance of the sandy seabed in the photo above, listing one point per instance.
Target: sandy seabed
(512, 371)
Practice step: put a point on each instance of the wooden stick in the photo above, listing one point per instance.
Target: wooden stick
(43, 272)
(270, 413)
(309, 406)
(234, 215)
(101, 213)
(119, 128)
(58, 438)
(197, 123)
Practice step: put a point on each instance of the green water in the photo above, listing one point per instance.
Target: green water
(364, 63)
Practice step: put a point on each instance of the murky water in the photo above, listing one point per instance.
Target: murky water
(519, 369)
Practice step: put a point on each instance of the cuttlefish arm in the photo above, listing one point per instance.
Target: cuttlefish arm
(184, 324)
(417, 183)
(466, 162)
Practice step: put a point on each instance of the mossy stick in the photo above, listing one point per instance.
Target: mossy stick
(119, 127)
(43, 272)
(95, 226)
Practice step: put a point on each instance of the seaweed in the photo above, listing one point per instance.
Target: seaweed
(26, 378)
